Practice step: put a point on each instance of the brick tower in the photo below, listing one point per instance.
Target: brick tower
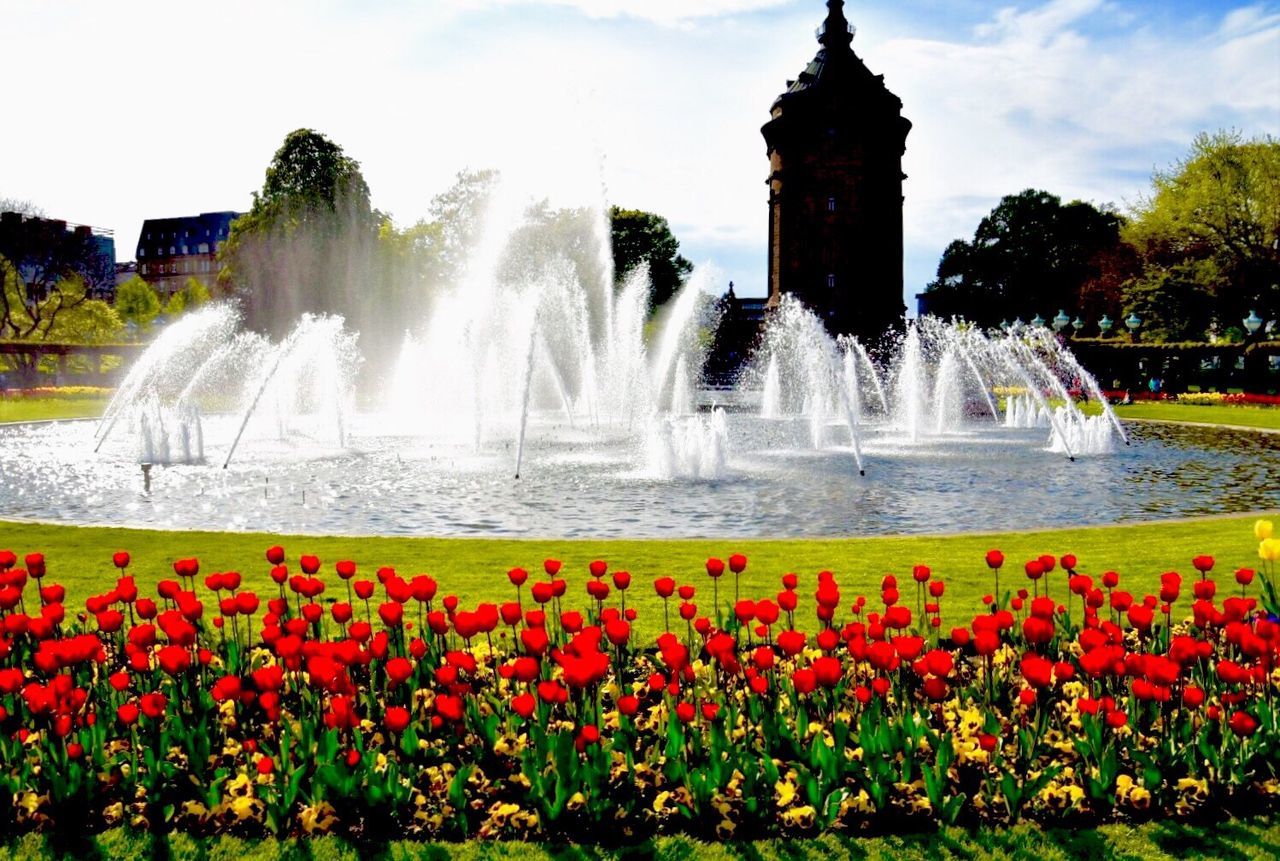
(835, 143)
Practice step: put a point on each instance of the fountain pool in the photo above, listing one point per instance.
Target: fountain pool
(765, 480)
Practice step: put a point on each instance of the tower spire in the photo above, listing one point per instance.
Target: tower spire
(835, 34)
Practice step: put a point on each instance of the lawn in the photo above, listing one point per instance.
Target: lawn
(1229, 839)
(46, 407)
(474, 569)
(1241, 416)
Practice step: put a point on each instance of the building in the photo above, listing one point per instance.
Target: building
(171, 250)
(739, 322)
(46, 249)
(835, 141)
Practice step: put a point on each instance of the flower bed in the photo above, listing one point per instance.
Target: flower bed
(378, 706)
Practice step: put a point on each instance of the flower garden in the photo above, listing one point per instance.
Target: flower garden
(373, 703)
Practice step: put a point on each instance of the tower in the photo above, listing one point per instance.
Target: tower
(835, 141)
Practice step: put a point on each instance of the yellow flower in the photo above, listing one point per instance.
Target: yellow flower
(318, 818)
(1262, 530)
(1269, 549)
(784, 792)
(799, 817)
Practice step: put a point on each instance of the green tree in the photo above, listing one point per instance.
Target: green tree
(1208, 235)
(1032, 255)
(46, 270)
(640, 237)
(137, 303)
(193, 294)
(309, 242)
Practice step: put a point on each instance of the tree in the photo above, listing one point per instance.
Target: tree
(309, 241)
(46, 270)
(137, 303)
(193, 294)
(1208, 235)
(644, 237)
(1031, 255)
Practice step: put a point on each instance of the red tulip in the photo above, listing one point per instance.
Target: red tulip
(685, 712)
(664, 586)
(551, 566)
(153, 705)
(275, 555)
(1242, 723)
(921, 573)
(737, 563)
(994, 559)
(391, 613)
(598, 568)
(1203, 564)
(310, 564)
(1244, 576)
(517, 576)
(120, 559)
(346, 569)
(523, 704)
(715, 567)
(397, 719)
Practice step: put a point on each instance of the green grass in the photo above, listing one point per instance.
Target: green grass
(1230, 839)
(475, 569)
(1222, 414)
(43, 408)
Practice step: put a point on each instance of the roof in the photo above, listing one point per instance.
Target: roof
(835, 64)
(205, 227)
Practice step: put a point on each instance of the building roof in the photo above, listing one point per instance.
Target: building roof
(160, 234)
(835, 64)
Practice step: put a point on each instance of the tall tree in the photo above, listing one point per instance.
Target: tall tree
(137, 303)
(46, 270)
(309, 241)
(641, 237)
(1208, 235)
(1031, 255)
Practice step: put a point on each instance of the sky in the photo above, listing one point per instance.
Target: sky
(125, 111)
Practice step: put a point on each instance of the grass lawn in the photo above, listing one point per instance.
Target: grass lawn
(1241, 416)
(1230, 839)
(30, 409)
(474, 569)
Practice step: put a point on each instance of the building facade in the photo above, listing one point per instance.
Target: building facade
(835, 142)
(47, 249)
(171, 250)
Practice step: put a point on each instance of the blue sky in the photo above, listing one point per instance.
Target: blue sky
(156, 109)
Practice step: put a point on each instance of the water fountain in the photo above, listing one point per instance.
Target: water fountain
(552, 373)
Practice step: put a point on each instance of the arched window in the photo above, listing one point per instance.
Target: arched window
(831, 279)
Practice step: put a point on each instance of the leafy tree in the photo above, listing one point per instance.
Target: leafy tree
(1031, 255)
(46, 270)
(137, 303)
(640, 237)
(193, 294)
(309, 242)
(1209, 237)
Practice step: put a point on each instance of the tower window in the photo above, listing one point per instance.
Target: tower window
(831, 279)
(831, 204)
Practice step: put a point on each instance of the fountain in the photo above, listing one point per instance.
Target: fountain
(553, 373)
